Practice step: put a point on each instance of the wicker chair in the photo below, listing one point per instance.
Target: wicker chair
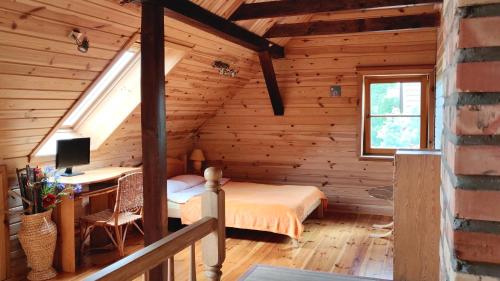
(127, 210)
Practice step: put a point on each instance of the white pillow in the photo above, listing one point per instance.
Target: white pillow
(190, 180)
(176, 186)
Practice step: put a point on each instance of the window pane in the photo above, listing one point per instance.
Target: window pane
(395, 98)
(395, 132)
(411, 97)
(384, 98)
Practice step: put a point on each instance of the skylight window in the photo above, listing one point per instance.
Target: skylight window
(108, 103)
(100, 87)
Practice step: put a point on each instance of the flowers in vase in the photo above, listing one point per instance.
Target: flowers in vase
(49, 201)
(40, 189)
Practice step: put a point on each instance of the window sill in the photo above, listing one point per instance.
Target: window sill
(382, 158)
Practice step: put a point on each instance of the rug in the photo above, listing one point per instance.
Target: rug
(271, 273)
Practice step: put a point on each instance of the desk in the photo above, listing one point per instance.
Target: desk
(65, 213)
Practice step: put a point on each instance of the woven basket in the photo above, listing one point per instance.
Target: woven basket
(38, 236)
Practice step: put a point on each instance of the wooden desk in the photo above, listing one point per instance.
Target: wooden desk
(65, 213)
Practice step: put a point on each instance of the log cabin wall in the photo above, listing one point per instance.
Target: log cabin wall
(315, 142)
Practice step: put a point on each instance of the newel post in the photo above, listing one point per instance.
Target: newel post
(214, 244)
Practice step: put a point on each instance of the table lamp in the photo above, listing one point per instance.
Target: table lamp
(197, 157)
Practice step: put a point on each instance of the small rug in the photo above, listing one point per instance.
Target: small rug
(271, 273)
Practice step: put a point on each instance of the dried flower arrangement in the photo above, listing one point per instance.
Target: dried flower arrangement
(40, 190)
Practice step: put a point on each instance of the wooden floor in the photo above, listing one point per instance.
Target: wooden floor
(338, 243)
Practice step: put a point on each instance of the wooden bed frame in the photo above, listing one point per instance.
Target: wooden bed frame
(177, 167)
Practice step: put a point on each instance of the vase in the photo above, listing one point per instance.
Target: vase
(38, 236)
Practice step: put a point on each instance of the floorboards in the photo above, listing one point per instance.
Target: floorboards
(338, 243)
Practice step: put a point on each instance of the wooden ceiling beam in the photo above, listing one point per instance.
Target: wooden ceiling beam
(271, 83)
(284, 8)
(194, 15)
(353, 26)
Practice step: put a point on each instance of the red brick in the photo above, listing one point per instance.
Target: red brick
(479, 32)
(476, 120)
(478, 205)
(477, 247)
(478, 77)
(473, 159)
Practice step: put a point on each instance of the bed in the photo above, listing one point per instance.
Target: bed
(273, 208)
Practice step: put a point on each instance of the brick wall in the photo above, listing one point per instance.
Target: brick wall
(469, 74)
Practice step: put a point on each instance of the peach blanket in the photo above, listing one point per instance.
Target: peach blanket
(274, 208)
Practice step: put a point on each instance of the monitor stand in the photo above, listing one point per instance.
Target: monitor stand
(69, 173)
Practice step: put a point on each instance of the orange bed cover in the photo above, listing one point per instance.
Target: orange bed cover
(274, 208)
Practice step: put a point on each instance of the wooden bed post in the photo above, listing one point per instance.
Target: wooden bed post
(214, 244)
(153, 123)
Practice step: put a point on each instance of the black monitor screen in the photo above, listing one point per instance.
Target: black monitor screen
(72, 152)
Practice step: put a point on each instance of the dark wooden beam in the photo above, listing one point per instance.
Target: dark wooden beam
(353, 26)
(271, 83)
(194, 15)
(285, 8)
(153, 125)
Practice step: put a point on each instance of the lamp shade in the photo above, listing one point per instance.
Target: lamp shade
(197, 155)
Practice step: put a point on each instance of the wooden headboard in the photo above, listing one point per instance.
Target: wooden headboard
(176, 166)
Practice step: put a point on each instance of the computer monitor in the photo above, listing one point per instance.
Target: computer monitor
(72, 152)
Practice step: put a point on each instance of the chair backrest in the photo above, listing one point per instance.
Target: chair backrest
(129, 193)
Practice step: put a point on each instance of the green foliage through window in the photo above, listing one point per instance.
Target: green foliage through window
(395, 114)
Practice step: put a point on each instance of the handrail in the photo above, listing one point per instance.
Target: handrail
(137, 263)
(210, 229)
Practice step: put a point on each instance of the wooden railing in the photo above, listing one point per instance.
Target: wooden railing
(210, 229)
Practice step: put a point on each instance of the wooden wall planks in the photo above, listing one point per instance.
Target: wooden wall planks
(315, 142)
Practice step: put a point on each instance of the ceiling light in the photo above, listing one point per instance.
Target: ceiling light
(83, 44)
(224, 68)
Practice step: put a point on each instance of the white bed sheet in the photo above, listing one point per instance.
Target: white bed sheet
(183, 196)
